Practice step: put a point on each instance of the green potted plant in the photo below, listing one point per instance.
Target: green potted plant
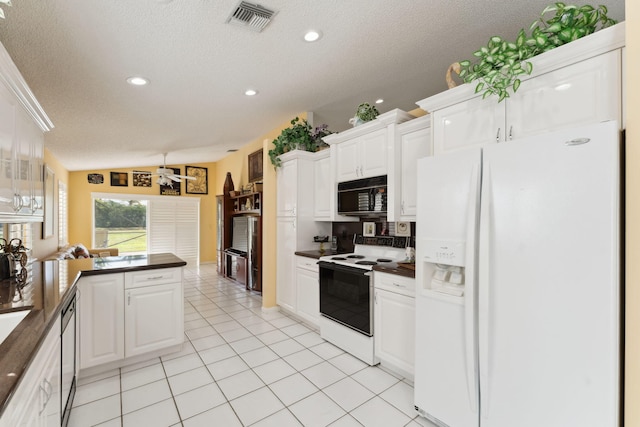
(299, 136)
(499, 65)
(364, 113)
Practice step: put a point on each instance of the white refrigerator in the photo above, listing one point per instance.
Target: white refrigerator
(518, 282)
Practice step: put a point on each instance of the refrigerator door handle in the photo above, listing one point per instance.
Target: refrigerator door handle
(469, 288)
(484, 325)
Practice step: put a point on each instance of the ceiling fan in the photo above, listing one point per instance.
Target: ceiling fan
(166, 176)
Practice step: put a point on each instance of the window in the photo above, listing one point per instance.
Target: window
(147, 224)
(120, 223)
(63, 208)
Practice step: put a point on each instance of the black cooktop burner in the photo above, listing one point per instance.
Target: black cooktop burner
(355, 256)
(384, 260)
(339, 258)
(366, 262)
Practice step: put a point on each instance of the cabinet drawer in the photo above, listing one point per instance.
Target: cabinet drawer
(158, 276)
(395, 283)
(307, 263)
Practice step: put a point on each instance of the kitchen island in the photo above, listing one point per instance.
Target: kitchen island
(51, 285)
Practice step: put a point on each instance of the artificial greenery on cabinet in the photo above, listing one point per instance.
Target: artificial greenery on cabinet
(500, 64)
(299, 136)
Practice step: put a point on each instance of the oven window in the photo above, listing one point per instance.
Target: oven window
(345, 296)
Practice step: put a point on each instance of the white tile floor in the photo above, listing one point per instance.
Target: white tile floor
(242, 367)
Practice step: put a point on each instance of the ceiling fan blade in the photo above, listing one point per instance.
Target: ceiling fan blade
(184, 176)
(174, 178)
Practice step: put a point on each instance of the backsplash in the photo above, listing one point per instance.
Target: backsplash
(345, 231)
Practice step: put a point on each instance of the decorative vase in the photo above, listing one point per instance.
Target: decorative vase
(228, 184)
(356, 121)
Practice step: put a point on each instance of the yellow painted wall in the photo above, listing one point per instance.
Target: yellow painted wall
(237, 164)
(80, 208)
(632, 234)
(44, 247)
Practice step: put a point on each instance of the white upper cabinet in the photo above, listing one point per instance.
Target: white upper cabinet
(22, 126)
(365, 150)
(586, 92)
(323, 183)
(575, 84)
(287, 198)
(413, 141)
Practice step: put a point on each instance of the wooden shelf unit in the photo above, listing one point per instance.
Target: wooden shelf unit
(249, 203)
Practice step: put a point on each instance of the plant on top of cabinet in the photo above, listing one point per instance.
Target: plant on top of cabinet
(300, 136)
(500, 64)
(364, 113)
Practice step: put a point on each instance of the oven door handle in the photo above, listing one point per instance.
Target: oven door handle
(338, 267)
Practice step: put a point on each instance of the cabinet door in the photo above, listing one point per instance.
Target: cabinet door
(101, 319)
(414, 145)
(468, 124)
(394, 323)
(50, 390)
(287, 184)
(22, 162)
(285, 280)
(582, 93)
(373, 153)
(153, 318)
(308, 295)
(7, 135)
(347, 161)
(322, 189)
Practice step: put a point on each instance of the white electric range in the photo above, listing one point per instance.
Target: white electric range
(346, 293)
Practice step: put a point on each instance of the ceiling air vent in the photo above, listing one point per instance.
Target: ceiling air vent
(252, 16)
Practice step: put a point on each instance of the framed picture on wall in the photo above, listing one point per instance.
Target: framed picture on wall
(141, 178)
(200, 184)
(119, 179)
(173, 189)
(255, 166)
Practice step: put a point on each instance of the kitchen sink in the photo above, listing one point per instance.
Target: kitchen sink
(8, 322)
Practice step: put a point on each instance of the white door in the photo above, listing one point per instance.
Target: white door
(582, 93)
(323, 181)
(394, 326)
(287, 184)
(285, 260)
(549, 292)
(471, 123)
(101, 319)
(373, 152)
(414, 146)
(308, 295)
(446, 379)
(153, 318)
(348, 161)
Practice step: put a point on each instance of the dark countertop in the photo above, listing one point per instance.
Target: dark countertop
(394, 268)
(52, 284)
(316, 254)
(390, 267)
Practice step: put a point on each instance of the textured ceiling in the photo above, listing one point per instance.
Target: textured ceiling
(76, 54)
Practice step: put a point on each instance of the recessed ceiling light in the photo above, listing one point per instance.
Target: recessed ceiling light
(379, 101)
(312, 36)
(137, 81)
(250, 92)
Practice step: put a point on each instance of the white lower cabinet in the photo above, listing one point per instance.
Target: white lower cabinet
(394, 322)
(285, 279)
(36, 402)
(101, 319)
(308, 290)
(123, 315)
(150, 318)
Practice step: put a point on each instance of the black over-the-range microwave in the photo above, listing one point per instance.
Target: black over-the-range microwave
(367, 196)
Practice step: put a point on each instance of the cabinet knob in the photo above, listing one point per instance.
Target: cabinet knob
(498, 135)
